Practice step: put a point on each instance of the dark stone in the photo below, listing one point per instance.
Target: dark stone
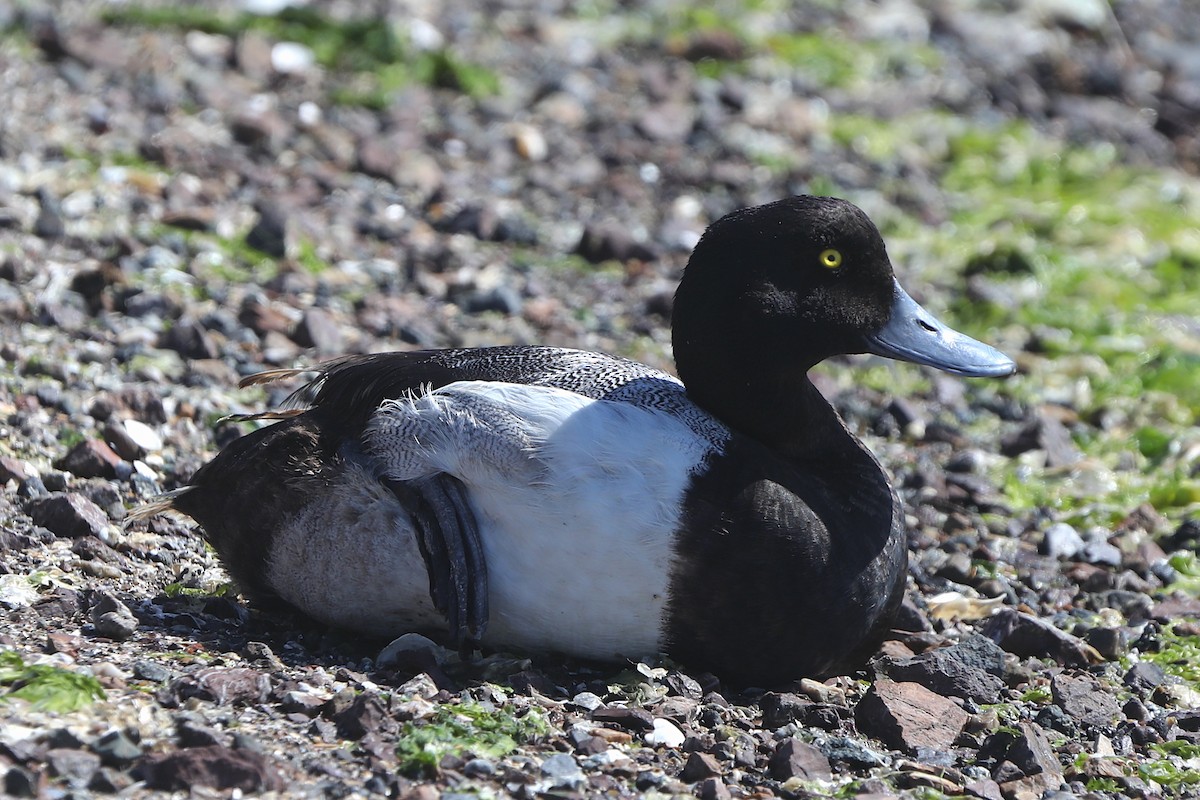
(215, 767)
(194, 733)
(633, 719)
(851, 752)
(1110, 643)
(1025, 635)
(49, 223)
(116, 749)
(907, 716)
(319, 330)
(21, 782)
(796, 759)
(91, 458)
(1085, 699)
(67, 514)
(151, 671)
(781, 709)
(1145, 676)
(970, 670)
(269, 234)
(911, 618)
(363, 716)
(1044, 433)
(190, 339)
(502, 299)
(712, 789)
(698, 767)
(611, 243)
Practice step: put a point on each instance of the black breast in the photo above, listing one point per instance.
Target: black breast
(785, 572)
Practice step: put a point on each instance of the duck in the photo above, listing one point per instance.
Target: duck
(542, 499)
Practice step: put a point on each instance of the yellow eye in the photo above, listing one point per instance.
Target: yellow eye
(830, 259)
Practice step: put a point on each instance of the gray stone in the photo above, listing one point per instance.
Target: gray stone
(970, 669)
(563, 771)
(76, 767)
(116, 749)
(1085, 699)
(1061, 541)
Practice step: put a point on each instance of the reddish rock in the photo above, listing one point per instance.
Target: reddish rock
(634, 719)
(226, 686)
(797, 759)
(907, 716)
(700, 766)
(91, 458)
(215, 767)
(67, 514)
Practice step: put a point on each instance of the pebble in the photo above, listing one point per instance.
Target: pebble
(291, 58)
(665, 734)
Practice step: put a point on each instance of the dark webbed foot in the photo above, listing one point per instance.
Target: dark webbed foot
(448, 536)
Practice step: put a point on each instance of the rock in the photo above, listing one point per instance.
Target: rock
(1061, 541)
(68, 514)
(908, 717)
(319, 330)
(1025, 762)
(49, 223)
(75, 767)
(214, 767)
(563, 772)
(665, 734)
(1085, 699)
(269, 233)
(363, 716)
(116, 749)
(780, 709)
(151, 671)
(700, 766)
(632, 719)
(611, 243)
(529, 142)
(225, 685)
(112, 619)
(1045, 433)
(1025, 635)
(713, 789)
(796, 759)
(91, 458)
(970, 669)
(667, 122)
(1145, 676)
(291, 58)
(1110, 643)
(13, 469)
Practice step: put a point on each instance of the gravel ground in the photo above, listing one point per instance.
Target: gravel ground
(182, 205)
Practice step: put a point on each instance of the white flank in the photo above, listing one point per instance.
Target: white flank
(577, 502)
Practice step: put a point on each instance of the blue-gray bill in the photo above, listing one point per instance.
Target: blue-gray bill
(913, 334)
